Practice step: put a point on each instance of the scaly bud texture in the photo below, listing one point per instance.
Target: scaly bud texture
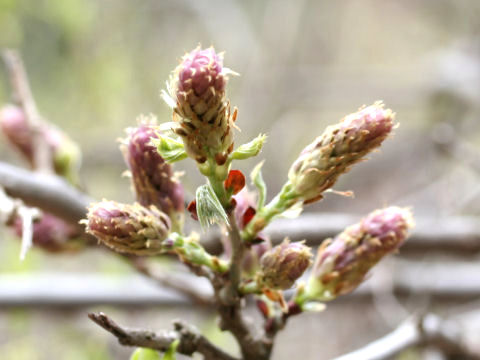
(125, 228)
(197, 87)
(65, 153)
(283, 265)
(337, 149)
(342, 263)
(152, 178)
(50, 233)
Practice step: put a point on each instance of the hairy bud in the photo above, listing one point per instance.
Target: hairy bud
(283, 265)
(197, 94)
(342, 263)
(50, 233)
(65, 153)
(125, 228)
(337, 149)
(153, 179)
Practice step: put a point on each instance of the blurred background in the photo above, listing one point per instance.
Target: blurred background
(94, 66)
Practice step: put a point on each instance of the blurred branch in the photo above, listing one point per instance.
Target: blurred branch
(23, 96)
(429, 330)
(191, 340)
(47, 192)
(169, 280)
(52, 194)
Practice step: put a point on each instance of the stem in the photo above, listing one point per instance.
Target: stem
(280, 203)
(192, 252)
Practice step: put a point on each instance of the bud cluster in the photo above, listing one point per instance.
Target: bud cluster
(153, 179)
(65, 153)
(342, 263)
(126, 228)
(197, 94)
(337, 149)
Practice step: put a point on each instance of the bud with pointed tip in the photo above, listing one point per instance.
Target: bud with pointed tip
(283, 265)
(197, 94)
(153, 179)
(342, 263)
(337, 149)
(126, 228)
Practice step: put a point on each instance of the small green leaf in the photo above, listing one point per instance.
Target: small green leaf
(169, 149)
(172, 350)
(257, 180)
(250, 149)
(209, 208)
(145, 354)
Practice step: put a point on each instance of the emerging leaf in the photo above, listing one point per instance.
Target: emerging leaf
(257, 180)
(169, 149)
(250, 149)
(209, 208)
(145, 354)
(170, 353)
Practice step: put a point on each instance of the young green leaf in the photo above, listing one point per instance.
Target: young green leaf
(172, 350)
(257, 180)
(209, 208)
(169, 149)
(249, 149)
(145, 354)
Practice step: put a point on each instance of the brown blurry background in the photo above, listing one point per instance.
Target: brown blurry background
(94, 66)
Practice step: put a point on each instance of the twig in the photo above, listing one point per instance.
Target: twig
(23, 96)
(429, 330)
(169, 281)
(191, 340)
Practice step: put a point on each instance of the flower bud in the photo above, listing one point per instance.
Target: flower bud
(50, 233)
(337, 149)
(15, 128)
(197, 94)
(342, 263)
(66, 156)
(283, 265)
(153, 179)
(126, 228)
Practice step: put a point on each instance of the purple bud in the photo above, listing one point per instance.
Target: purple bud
(65, 154)
(126, 228)
(342, 263)
(283, 265)
(337, 149)
(197, 90)
(50, 233)
(15, 128)
(153, 179)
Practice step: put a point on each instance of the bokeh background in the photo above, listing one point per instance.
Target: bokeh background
(95, 65)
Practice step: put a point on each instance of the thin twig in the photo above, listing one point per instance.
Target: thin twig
(191, 340)
(429, 330)
(169, 280)
(23, 96)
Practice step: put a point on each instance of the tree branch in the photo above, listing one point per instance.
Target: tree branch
(169, 280)
(429, 330)
(191, 340)
(23, 96)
